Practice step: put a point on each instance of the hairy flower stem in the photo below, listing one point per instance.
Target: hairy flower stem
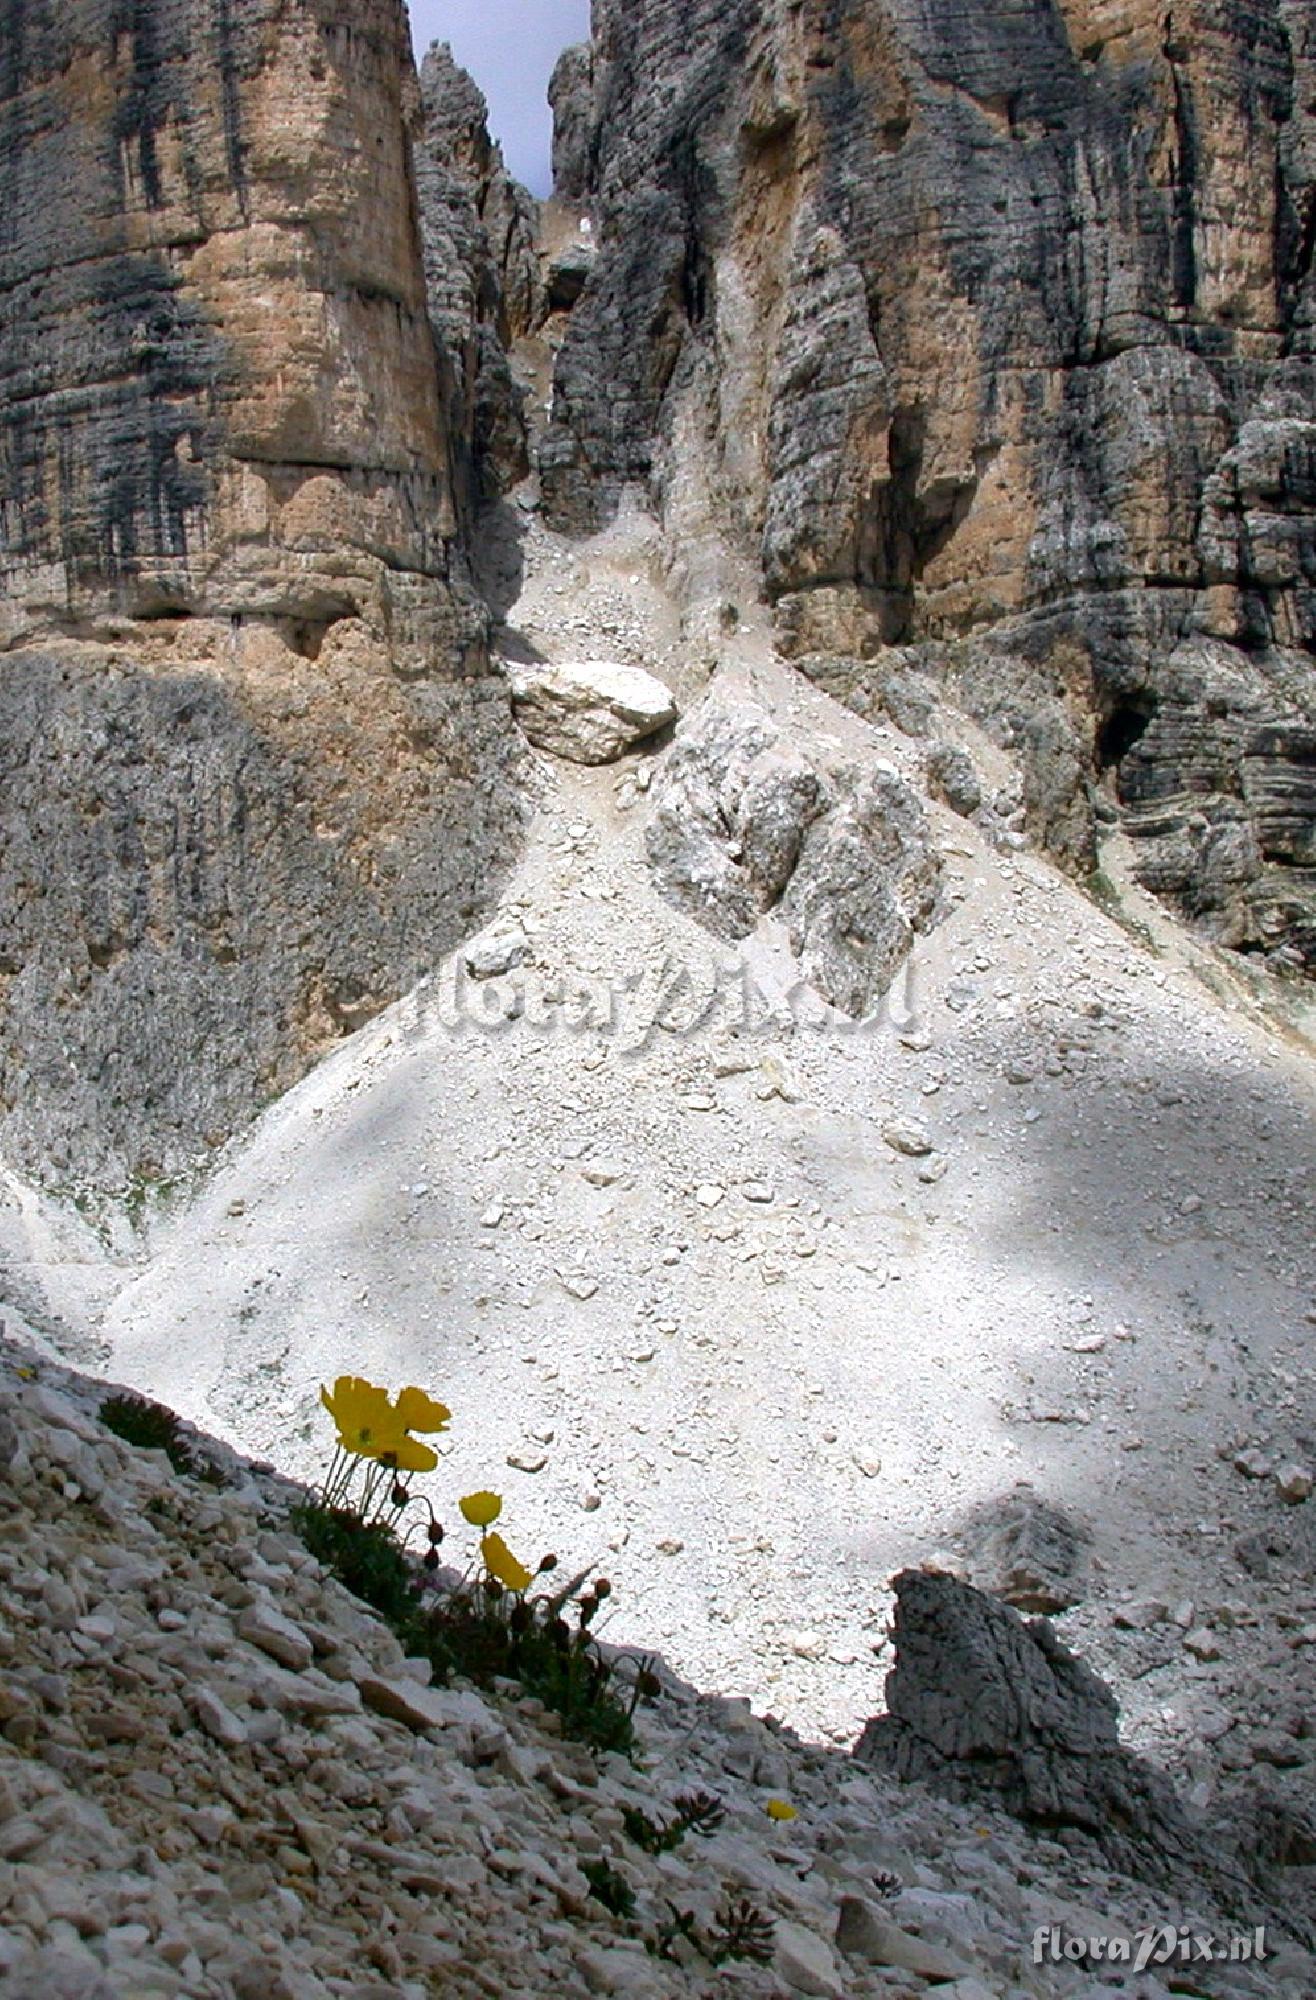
(338, 1475)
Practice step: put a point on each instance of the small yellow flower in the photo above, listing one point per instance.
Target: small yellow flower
(419, 1412)
(408, 1454)
(779, 1809)
(481, 1509)
(368, 1425)
(503, 1565)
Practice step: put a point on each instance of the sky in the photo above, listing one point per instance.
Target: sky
(510, 47)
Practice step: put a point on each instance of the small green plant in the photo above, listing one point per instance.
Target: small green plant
(367, 1558)
(492, 1626)
(696, 1812)
(702, 1812)
(610, 1888)
(681, 1924)
(742, 1930)
(652, 1835)
(739, 1930)
(151, 1427)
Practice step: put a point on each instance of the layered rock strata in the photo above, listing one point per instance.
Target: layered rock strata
(215, 396)
(990, 334)
(254, 769)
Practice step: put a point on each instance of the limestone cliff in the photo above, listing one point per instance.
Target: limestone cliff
(213, 396)
(252, 758)
(989, 333)
(482, 271)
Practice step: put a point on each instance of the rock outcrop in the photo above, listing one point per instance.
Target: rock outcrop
(744, 826)
(989, 334)
(256, 773)
(571, 94)
(983, 1704)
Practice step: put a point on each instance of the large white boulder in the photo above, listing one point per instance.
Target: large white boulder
(589, 711)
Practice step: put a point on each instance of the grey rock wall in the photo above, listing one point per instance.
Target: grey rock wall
(482, 274)
(182, 930)
(256, 772)
(989, 332)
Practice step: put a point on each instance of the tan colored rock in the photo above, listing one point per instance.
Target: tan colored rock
(261, 1625)
(238, 306)
(243, 671)
(807, 1962)
(403, 1700)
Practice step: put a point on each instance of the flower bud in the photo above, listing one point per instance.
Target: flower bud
(602, 1588)
(435, 1534)
(547, 1564)
(431, 1559)
(399, 1496)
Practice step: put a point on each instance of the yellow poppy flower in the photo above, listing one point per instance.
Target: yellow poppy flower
(503, 1565)
(481, 1509)
(408, 1454)
(779, 1809)
(419, 1412)
(368, 1425)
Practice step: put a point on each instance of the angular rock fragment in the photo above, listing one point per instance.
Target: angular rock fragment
(589, 711)
(261, 1625)
(863, 1932)
(1027, 1552)
(982, 1705)
(953, 778)
(403, 1700)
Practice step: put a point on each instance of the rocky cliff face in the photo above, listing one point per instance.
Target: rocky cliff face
(986, 348)
(216, 400)
(253, 764)
(990, 334)
(482, 273)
